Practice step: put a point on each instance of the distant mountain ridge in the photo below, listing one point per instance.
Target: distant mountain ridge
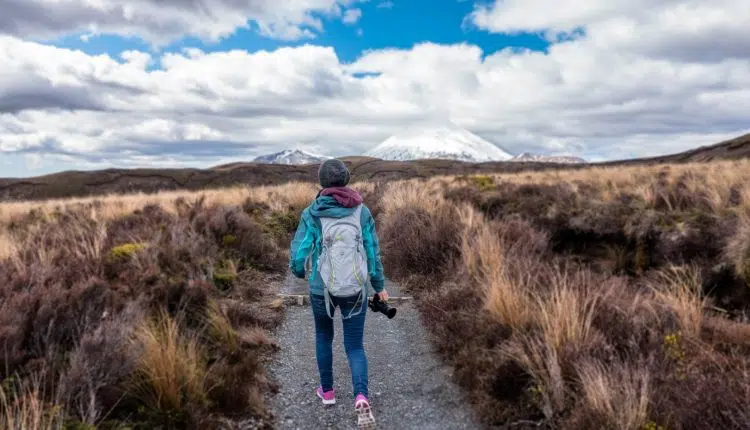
(291, 157)
(438, 141)
(537, 158)
(149, 180)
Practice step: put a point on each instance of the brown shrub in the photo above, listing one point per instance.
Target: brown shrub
(373, 195)
(249, 244)
(416, 242)
(99, 367)
(705, 390)
(72, 287)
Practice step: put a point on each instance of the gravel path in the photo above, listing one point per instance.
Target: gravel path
(409, 387)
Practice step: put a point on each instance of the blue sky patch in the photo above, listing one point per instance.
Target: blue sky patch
(383, 24)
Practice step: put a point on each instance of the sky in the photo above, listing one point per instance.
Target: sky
(91, 84)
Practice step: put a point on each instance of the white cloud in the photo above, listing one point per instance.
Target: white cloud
(164, 21)
(603, 95)
(385, 5)
(351, 16)
(693, 30)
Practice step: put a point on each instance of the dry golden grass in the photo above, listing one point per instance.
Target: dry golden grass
(506, 301)
(680, 289)
(738, 248)
(483, 256)
(542, 362)
(107, 208)
(28, 410)
(414, 194)
(171, 369)
(279, 198)
(219, 328)
(566, 313)
(714, 181)
(7, 244)
(618, 394)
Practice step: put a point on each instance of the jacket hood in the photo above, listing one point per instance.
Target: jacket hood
(328, 206)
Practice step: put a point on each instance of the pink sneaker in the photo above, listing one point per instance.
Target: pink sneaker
(329, 397)
(365, 420)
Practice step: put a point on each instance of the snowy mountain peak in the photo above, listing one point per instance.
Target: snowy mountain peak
(291, 157)
(438, 141)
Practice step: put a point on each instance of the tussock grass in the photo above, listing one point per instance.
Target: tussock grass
(738, 248)
(542, 362)
(566, 313)
(24, 406)
(680, 289)
(7, 245)
(171, 369)
(219, 328)
(617, 395)
(484, 258)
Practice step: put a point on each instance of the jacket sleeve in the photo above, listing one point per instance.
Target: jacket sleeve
(372, 247)
(301, 246)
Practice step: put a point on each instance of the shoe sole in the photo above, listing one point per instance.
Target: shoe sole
(326, 402)
(365, 420)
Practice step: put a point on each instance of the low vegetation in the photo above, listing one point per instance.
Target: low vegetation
(598, 298)
(141, 312)
(609, 298)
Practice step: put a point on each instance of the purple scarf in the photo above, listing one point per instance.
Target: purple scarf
(345, 196)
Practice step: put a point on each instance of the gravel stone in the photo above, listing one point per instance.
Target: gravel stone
(409, 387)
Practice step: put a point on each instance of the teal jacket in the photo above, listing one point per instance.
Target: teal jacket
(306, 242)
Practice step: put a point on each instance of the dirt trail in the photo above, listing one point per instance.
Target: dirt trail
(409, 387)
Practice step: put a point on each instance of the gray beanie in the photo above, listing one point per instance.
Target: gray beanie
(333, 173)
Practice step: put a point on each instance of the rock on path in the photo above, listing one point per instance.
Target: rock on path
(409, 387)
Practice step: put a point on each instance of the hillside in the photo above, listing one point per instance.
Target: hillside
(87, 183)
(739, 147)
(78, 183)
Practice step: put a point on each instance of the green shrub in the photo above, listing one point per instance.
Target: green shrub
(225, 275)
(224, 280)
(483, 182)
(125, 251)
(229, 240)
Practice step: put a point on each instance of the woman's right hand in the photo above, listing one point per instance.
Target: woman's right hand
(383, 295)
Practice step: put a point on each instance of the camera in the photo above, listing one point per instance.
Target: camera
(376, 305)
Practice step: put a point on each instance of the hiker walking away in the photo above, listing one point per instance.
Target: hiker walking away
(336, 236)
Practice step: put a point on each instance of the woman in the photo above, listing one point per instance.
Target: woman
(335, 202)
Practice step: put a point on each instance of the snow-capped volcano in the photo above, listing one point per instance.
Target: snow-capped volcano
(562, 159)
(291, 157)
(438, 142)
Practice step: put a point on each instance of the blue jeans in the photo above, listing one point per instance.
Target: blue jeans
(354, 328)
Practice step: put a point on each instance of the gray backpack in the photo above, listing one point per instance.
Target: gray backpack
(342, 263)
